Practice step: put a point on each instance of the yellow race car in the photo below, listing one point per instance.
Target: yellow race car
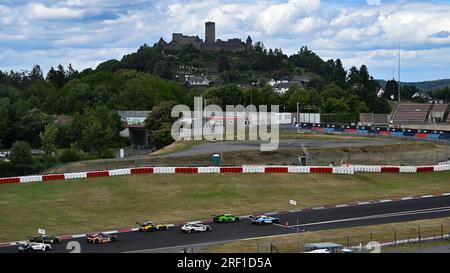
(150, 226)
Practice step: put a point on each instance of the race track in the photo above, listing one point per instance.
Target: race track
(173, 240)
(236, 146)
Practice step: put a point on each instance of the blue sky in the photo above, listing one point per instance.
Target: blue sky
(87, 32)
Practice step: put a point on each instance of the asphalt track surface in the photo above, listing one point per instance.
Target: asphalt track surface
(322, 219)
(236, 146)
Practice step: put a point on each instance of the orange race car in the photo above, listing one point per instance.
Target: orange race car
(100, 238)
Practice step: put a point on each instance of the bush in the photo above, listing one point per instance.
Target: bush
(70, 155)
(105, 154)
(21, 154)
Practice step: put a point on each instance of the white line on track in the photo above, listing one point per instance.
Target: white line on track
(386, 215)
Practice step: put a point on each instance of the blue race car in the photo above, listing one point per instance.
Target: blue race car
(264, 219)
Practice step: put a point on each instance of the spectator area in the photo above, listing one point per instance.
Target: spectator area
(411, 113)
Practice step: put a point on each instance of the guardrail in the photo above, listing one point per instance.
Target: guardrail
(342, 170)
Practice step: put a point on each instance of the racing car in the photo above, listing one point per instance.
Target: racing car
(100, 238)
(46, 239)
(34, 247)
(264, 219)
(225, 218)
(150, 226)
(190, 228)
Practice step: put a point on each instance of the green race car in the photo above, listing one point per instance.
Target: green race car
(226, 218)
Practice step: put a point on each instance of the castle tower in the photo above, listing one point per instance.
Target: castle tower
(210, 32)
(249, 41)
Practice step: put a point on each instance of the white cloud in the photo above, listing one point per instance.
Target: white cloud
(374, 2)
(40, 11)
(356, 33)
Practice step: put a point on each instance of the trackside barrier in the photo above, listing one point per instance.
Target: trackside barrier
(146, 170)
(98, 174)
(441, 168)
(31, 178)
(11, 180)
(119, 172)
(425, 169)
(343, 170)
(299, 169)
(231, 169)
(163, 170)
(390, 169)
(68, 176)
(208, 169)
(239, 169)
(408, 169)
(321, 170)
(252, 169)
(186, 170)
(276, 170)
(53, 177)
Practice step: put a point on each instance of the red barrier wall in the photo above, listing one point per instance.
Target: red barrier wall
(425, 169)
(390, 169)
(322, 170)
(186, 170)
(52, 177)
(10, 180)
(97, 174)
(276, 170)
(231, 170)
(147, 170)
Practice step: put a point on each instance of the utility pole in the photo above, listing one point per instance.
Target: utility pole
(399, 82)
(298, 115)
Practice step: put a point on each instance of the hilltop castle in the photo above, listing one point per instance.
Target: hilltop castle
(210, 44)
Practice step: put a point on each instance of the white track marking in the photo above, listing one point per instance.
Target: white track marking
(386, 215)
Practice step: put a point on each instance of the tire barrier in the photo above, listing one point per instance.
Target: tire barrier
(231, 170)
(11, 180)
(53, 177)
(147, 170)
(425, 169)
(370, 130)
(119, 172)
(276, 170)
(321, 170)
(186, 170)
(97, 174)
(69, 176)
(340, 170)
(31, 178)
(390, 169)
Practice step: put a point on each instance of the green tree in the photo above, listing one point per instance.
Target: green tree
(101, 130)
(337, 106)
(48, 140)
(4, 119)
(160, 115)
(162, 137)
(21, 154)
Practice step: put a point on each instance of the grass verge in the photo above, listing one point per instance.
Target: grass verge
(65, 207)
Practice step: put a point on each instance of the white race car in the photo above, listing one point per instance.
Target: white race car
(34, 247)
(189, 228)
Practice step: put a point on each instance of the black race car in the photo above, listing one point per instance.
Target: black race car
(46, 239)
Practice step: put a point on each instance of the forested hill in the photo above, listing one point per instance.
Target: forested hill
(425, 86)
(68, 114)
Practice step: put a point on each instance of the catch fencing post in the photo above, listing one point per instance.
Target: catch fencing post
(395, 236)
(420, 236)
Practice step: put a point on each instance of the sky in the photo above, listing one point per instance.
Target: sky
(88, 32)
